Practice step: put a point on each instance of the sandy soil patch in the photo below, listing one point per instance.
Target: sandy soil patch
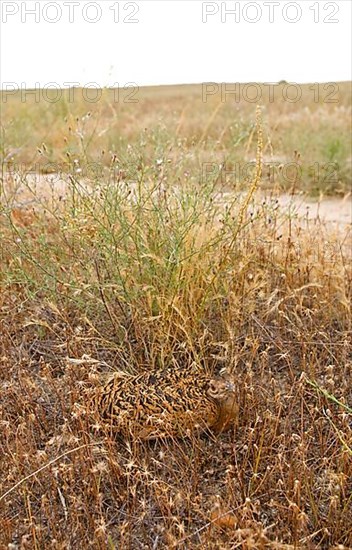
(35, 190)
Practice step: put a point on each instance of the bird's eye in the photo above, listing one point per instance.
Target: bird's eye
(212, 386)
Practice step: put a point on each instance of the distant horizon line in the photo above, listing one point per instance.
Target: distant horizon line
(95, 85)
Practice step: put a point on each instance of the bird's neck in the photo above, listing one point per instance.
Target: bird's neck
(228, 411)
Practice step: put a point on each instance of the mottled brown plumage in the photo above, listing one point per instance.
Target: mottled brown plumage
(166, 403)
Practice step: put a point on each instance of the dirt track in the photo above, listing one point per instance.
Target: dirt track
(30, 191)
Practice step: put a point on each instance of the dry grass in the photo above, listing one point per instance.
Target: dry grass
(201, 135)
(139, 276)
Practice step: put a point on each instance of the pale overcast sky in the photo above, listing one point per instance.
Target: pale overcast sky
(165, 41)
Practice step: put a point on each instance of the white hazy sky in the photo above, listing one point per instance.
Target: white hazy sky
(165, 41)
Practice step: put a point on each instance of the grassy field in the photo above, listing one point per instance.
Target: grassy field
(202, 132)
(143, 265)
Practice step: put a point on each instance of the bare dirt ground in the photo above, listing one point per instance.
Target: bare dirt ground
(26, 192)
